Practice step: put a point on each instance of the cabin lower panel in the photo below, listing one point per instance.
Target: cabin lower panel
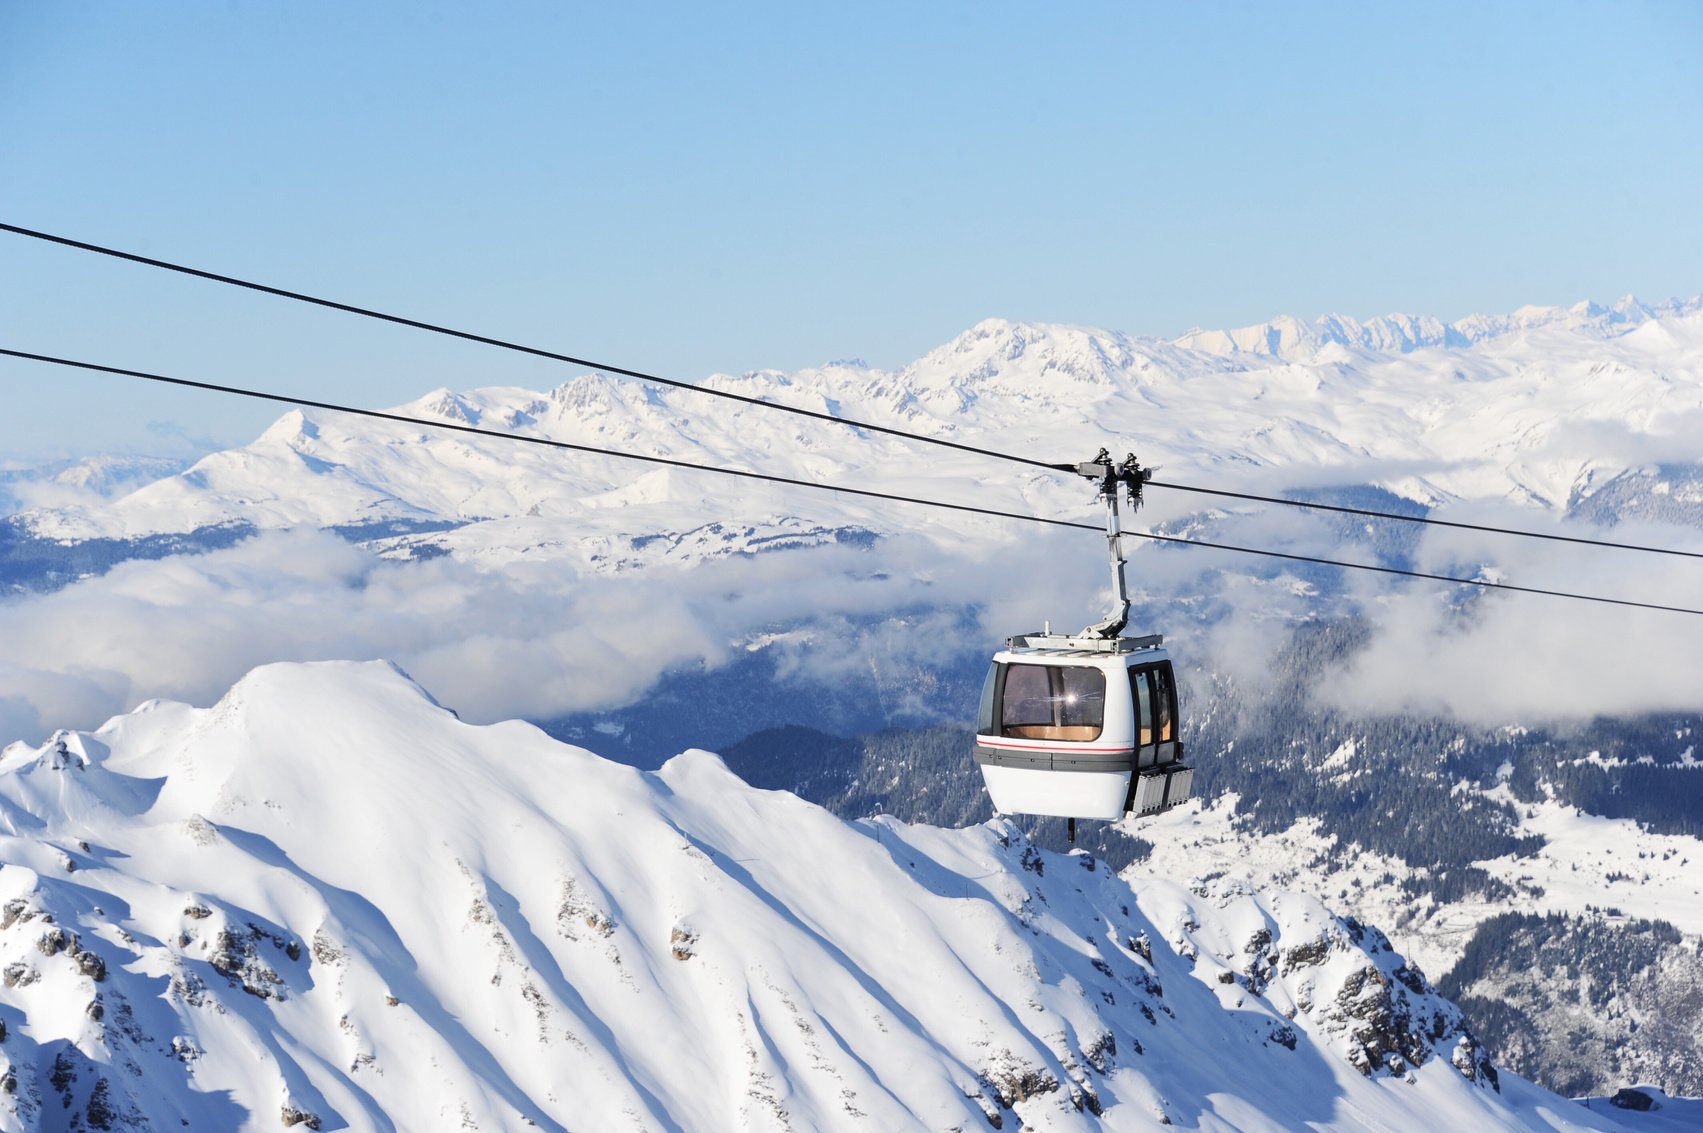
(1064, 794)
(1161, 788)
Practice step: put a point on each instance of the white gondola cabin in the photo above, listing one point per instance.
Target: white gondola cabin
(1081, 728)
(1085, 725)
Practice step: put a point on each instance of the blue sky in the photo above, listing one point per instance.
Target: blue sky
(692, 188)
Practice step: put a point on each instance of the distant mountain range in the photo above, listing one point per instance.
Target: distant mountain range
(1293, 340)
(1538, 408)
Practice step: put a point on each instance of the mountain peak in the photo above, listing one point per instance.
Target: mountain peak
(1029, 358)
(366, 887)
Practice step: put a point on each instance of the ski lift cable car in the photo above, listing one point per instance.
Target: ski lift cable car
(1085, 725)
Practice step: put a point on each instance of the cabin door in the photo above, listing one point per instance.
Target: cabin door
(1155, 696)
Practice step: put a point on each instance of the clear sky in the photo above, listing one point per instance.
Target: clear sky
(693, 188)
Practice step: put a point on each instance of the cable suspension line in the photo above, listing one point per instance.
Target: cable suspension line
(534, 351)
(1318, 505)
(868, 426)
(285, 399)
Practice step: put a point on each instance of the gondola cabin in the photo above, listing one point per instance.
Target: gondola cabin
(1081, 727)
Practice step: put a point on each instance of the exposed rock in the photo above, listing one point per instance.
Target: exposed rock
(92, 966)
(1012, 1080)
(187, 986)
(99, 1112)
(16, 910)
(1308, 954)
(235, 956)
(1473, 1063)
(325, 950)
(63, 1076)
(291, 1116)
(1629, 1098)
(577, 908)
(1101, 1051)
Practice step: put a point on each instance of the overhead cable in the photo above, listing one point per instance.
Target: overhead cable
(1317, 505)
(288, 399)
(502, 344)
(815, 414)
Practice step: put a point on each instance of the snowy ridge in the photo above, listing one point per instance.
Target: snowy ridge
(1538, 408)
(327, 902)
(1292, 339)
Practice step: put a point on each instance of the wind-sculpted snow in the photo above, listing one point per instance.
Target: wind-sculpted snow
(326, 902)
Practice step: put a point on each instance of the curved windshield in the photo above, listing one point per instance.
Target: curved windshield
(1052, 702)
(984, 714)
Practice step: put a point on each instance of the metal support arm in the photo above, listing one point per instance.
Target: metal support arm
(1131, 476)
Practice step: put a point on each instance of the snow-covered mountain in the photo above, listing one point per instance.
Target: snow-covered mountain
(517, 580)
(1538, 408)
(1293, 340)
(326, 902)
(88, 479)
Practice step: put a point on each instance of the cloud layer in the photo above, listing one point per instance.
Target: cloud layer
(528, 641)
(533, 641)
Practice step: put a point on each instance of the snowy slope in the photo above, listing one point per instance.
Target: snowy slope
(1534, 409)
(90, 479)
(1575, 871)
(325, 901)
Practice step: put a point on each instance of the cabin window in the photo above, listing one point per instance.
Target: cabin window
(1052, 702)
(1164, 704)
(1143, 699)
(1155, 696)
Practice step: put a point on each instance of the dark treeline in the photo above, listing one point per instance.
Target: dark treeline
(1585, 1004)
(29, 563)
(32, 564)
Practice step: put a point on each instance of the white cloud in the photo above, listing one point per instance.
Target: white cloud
(532, 640)
(528, 641)
(1527, 658)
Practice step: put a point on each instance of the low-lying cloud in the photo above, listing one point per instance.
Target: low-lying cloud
(1531, 659)
(531, 640)
(526, 641)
